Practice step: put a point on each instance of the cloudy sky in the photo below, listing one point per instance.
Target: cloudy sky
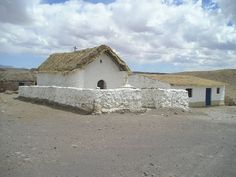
(150, 35)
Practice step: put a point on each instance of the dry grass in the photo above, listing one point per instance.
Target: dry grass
(184, 80)
(64, 62)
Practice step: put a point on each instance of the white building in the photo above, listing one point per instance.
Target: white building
(201, 92)
(88, 68)
(102, 67)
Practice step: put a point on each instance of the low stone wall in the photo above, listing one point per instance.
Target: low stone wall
(175, 98)
(109, 100)
(13, 85)
(159, 98)
(148, 99)
(89, 100)
(113, 100)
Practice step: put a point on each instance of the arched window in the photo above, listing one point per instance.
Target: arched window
(101, 84)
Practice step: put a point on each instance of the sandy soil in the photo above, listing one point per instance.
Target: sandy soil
(39, 141)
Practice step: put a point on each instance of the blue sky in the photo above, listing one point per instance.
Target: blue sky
(165, 36)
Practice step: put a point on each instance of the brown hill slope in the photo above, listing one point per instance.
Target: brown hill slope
(16, 74)
(11, 78)
(227, 76)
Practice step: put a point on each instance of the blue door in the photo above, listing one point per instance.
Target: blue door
(208, 96)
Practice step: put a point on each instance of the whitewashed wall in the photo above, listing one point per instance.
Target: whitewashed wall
(107, 71)
(148, 97)
(172, 98)
(199, 93)
(156, 98)
(140, 81)
(90, 100)
(72, 79)
(220, 96)
(113, 100)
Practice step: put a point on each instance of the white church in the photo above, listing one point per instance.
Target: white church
(89, 68)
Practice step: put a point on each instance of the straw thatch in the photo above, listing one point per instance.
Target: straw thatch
(185, 80)
(64, 62)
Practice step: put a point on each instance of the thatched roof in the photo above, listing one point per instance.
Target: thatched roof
(64, 62)
(12, 74)
(185, 80)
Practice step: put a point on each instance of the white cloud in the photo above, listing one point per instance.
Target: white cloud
(228, 8)
(16, 12)
(144, 32)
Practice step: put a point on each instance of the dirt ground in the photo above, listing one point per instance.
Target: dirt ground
(39, 141)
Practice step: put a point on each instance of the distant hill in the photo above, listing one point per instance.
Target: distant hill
(4, 66)
(227, 76)
(16, 74)
(11, 78)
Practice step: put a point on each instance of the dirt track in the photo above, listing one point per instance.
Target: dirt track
(39, 141)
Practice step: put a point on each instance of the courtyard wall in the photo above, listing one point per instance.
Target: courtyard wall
(89, 100)
(165, 98)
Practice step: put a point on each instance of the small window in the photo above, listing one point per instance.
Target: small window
(190, 92)
(100, 61)
(218, 90)
(21, 84)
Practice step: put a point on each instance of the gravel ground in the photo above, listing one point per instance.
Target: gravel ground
(39, 141)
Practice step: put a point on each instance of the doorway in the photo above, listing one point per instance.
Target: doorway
(208, 96)
(101, 84)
